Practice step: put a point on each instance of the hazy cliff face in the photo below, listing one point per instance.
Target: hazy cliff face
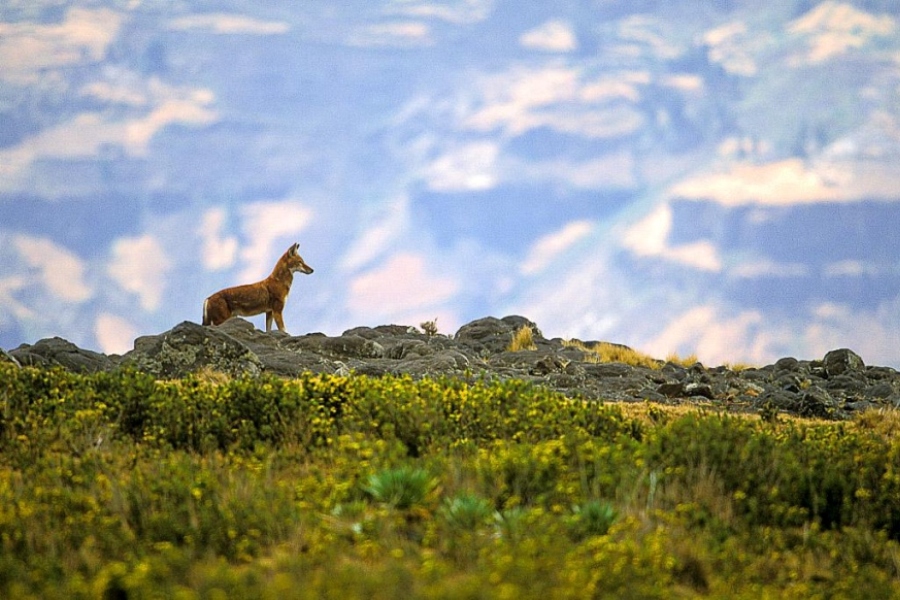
(719, 180)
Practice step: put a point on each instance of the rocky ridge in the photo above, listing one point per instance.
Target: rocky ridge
(835, 387)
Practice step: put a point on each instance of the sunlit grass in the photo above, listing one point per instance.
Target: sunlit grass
(687, 361)
(523, 339)
(606, 352)
(737, 367)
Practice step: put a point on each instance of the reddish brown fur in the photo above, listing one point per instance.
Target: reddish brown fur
(266, 296)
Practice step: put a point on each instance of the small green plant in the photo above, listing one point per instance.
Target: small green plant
(510, 523)
(401, 488)
(523, 339)
(657, 414)
(769, 412)
(466, 511)
(594, 517)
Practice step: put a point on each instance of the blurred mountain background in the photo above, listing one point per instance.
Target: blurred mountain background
(718, 177)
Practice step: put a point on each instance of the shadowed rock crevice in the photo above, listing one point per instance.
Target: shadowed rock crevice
(834, 387)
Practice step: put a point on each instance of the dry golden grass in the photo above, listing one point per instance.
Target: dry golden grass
(604, 352)
(210, 375)
(739, 366)
(687, 361)
(884, 421)
(523, 339)
(651, 414)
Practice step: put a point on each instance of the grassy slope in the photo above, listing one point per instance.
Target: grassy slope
(116, 485)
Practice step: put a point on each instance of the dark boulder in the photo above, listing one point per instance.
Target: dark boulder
(518, 322)
(546, 364)
(817, 402)
(189, 347)
(371, 333)
(404, 349)
(696, 389)
(838, 362)
(340, 347)
(608, 370)
(774, 400)
(881, 374)
(759, 375)
(57, 352)
(848, 384)
(673, 389)
(396, 330)
(492, 336)
(787, 364)
(881, 390)
(445, 362)
(789, 382)
(273, 350)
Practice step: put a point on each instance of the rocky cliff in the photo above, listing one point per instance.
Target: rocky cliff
(835, 386)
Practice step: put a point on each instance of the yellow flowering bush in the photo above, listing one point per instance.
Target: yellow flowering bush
(118, 485)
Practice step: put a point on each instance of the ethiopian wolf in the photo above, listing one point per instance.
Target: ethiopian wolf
(266, 296)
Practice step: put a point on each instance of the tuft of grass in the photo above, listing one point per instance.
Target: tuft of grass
(523, 339)
(510, 523)
(738, 366)
(467, 511)
(401, 488)
(605, 352)
(687, 361)
(883, 421)
(594, 517)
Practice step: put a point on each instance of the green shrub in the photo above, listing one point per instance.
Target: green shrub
(594, 517)
(466, 511)
(117, 485)
(511, 523)
(402, 488)
(790, 475)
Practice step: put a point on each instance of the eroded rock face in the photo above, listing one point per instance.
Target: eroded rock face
(834, 387)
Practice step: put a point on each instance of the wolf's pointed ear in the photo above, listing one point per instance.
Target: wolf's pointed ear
(293, 249)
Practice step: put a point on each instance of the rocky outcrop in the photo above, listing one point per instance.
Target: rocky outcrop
(834, 387)
(189, 347)
(57, 352)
